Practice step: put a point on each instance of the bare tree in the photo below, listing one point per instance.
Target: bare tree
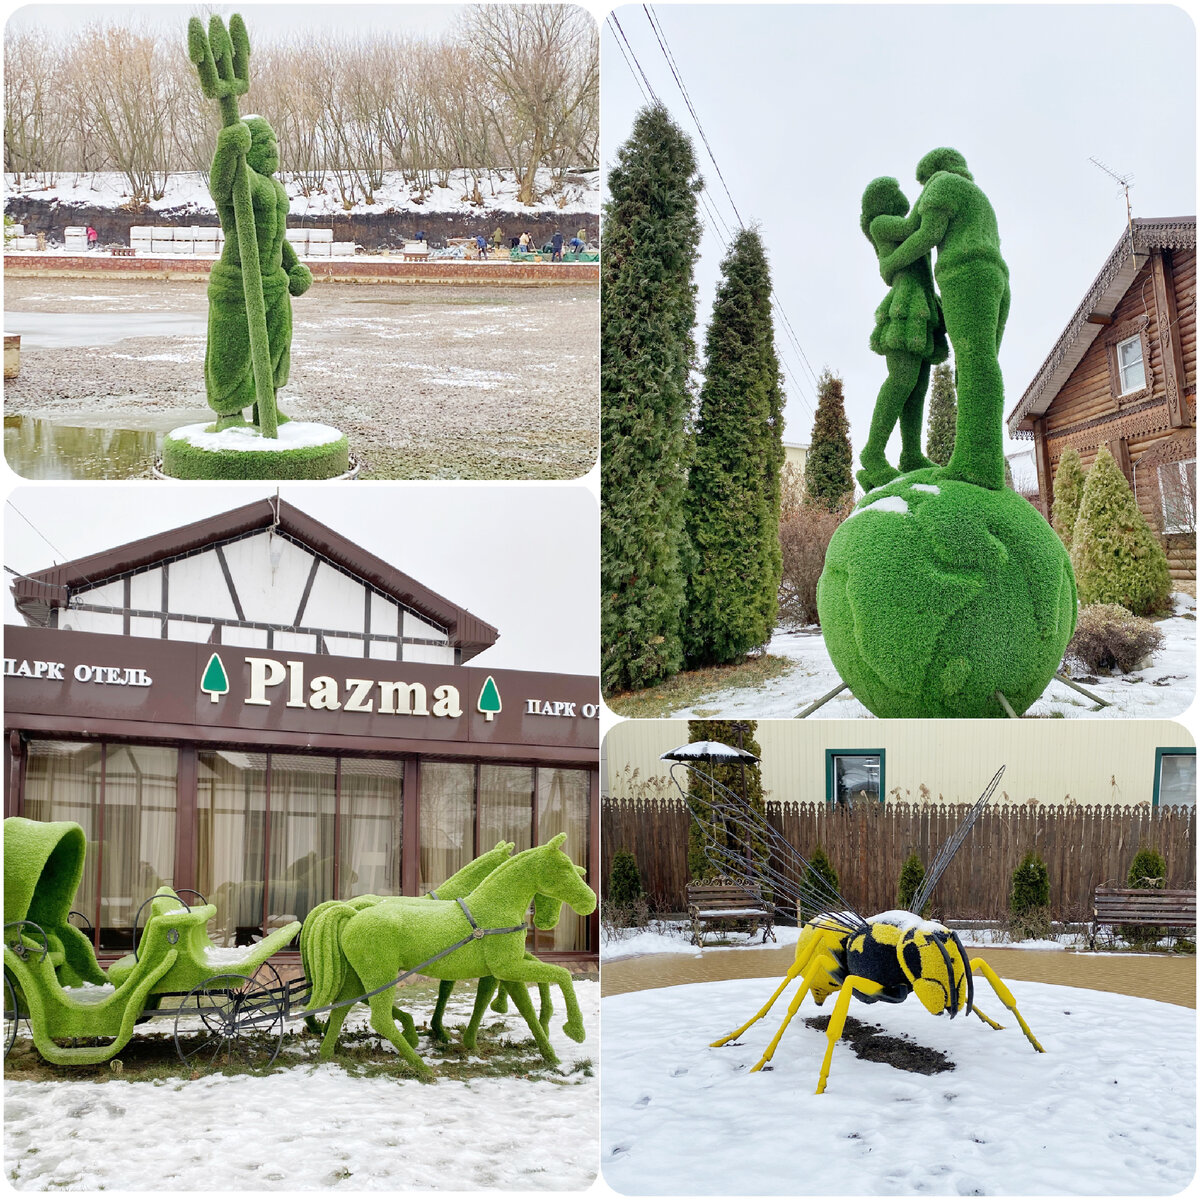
(543, 60)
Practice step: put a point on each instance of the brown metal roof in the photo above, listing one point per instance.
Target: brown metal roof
(1107, 291)
(36, 594)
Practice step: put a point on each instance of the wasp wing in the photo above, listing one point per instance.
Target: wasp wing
(951, 845)
(741, 844)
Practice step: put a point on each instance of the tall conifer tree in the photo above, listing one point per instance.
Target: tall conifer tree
(827, 478)
(943, 415)
(648, 309)
(732, 502)
(745, 779)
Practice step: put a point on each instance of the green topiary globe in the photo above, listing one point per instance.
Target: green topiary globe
(936, 593)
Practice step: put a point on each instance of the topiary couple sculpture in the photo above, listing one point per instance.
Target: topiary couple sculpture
(944, 594)
(249, 295)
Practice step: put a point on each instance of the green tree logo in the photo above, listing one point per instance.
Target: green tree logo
(489, 699)
(214, 683)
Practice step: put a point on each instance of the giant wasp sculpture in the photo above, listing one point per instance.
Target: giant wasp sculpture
(887, 957)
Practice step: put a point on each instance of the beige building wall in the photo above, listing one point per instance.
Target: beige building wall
(1054, 762)
(795, 454)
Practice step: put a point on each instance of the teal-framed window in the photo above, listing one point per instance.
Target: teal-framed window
(1174, 775)
(849, 774)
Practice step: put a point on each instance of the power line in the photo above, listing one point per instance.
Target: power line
(35, 530)
(644, 81)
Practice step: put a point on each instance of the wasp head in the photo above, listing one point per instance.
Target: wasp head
(933, 959)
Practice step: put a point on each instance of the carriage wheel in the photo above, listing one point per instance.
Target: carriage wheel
(12, 1016)
(230, 1021)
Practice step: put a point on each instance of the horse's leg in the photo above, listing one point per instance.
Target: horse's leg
(500, 1003)
(546, 1011)
(533, 970)
(332, 1028)
(407, 1024)
(384, 1024)
(445, 987)
(487, 985)
(520, 996)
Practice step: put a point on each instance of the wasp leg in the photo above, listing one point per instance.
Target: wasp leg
(985, 1018)
(998, 986)
(806, 951)
(837, 1019)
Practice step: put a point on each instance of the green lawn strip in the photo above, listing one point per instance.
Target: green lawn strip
(688, 687)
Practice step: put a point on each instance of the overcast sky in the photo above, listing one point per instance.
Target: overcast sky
(522, 557)
(804, 105)
(264, 20)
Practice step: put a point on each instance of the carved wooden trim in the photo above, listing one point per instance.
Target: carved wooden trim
(1169, 343)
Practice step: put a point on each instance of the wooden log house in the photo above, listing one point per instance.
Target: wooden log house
(1123, 375)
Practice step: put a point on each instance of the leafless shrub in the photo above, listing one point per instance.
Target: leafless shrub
(1109, 637)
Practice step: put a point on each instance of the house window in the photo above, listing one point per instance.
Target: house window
(853, 775)
(1130, 365)
(1175, 776)
(1177, 491)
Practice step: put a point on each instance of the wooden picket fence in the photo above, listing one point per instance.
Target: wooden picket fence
(1084, 846)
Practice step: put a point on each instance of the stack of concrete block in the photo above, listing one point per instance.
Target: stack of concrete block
(342, 250)
(76, 237)
(141, 238)
(21, 243)
(311, 243)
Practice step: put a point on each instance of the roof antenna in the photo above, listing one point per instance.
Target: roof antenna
(1126, 182)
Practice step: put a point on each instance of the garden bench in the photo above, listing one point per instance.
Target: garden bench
(722, 902)
(1172, 908)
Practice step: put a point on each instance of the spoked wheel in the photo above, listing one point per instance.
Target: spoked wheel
(230, 1021)
(12, 1015)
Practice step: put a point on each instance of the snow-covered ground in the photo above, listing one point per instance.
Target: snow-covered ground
(1164, 689)
(1109, 1109)
(675, 937)
(187, 191)
(317, 1126)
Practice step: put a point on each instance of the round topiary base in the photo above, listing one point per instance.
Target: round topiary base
(303, 450)
(937, 593)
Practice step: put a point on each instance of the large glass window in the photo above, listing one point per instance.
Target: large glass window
(372, 828)
(124, 797)
(563, 808)
(300, 836)
(505, 806)
(447, 821)
(231, 804)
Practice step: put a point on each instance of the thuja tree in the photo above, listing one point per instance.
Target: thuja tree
(745, 779)
(1116, 557)
(648, 309)
(733, 491)
(1068, 491)
(943, 415)
(827, 477)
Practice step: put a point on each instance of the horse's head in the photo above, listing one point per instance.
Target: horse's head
(547, 909)
(558, 878)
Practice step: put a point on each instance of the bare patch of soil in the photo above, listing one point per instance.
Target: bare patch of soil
(871, 1043)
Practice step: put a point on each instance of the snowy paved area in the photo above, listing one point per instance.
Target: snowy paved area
(1165, 689)
(316, 1126)
(1109, 1109)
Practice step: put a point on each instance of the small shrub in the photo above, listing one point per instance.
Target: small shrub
(1148, 870)
(1029, 899)
(623, 920)
(624, 879)
(1109, 637)
(804, 533)
(820, 872)
(912, 875)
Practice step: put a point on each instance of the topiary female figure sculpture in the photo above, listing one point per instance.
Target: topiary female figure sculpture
(250, 288)
(911, 335)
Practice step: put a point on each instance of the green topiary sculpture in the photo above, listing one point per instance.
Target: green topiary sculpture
(944, 592)
(1117, 558)
(249, 295)
(910, 333)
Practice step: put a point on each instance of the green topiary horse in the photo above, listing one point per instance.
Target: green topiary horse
(350, 952)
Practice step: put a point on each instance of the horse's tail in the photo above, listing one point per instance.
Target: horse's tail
(321, 952)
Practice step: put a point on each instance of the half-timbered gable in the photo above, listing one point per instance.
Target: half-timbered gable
(1123, 375)
(265, 575)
